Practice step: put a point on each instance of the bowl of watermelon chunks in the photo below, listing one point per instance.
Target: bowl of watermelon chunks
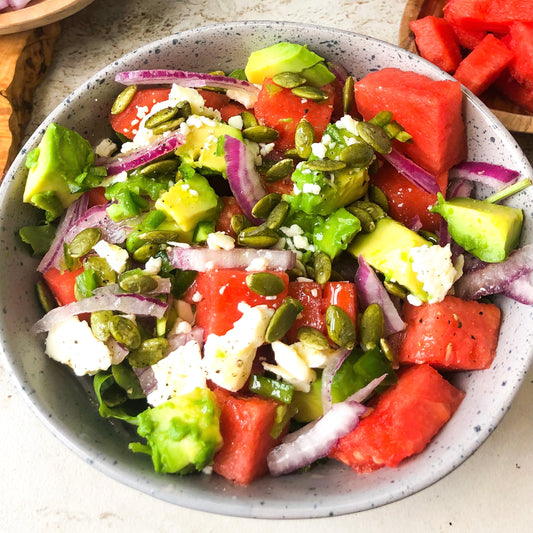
(449, 396)
(485, 44)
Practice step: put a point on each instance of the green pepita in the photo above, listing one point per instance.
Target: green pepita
(84, 242)
(123, 100)
(382, 118)
(265, 283)
(377, 196)
(371, 326)
(304, 137)
(248, 120)
(324, 165)
(357, 155)
(160, 168)
(288, 80)
(146, 251)
(322, 266)
(282, 319)
(160, 236)
(313, 338)
(279, 170)
(340, 327)
(239, 222)
(257, 237)
(169, 125)
(138, 283)
(264, 206)
(429, 236)
(367, 222)
(348, 95)
(373, 209)
(389, 352)
(149, 352)
(375, 136)
(105, 275)
(46, 298)
(292, 153)
(277, 216)
(100, 321)
(161, 116)
(395, 289)
(310, 93)
(125, 332)
(260, 134)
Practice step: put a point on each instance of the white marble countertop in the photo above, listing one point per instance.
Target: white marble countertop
(46, 487)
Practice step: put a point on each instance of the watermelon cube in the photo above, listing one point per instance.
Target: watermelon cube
(520, 42)
(450, 335)
(436, 42)
(521, 95)
(405, 418)
(482, 66)
(429, 110)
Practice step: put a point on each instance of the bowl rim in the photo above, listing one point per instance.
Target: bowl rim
(218, 505)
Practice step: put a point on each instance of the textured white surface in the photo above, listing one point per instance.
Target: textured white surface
(45, 487)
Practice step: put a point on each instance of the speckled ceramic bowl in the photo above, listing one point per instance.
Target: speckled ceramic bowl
(66, 405)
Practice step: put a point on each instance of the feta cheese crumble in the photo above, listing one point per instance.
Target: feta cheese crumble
(116, 256)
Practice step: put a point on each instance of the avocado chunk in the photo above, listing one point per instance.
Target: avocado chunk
(333, 234)
(285, 57)
(203, 147)
(387, 250)
(190, 201)
(488, 231)
(61, 163)
(308, 404)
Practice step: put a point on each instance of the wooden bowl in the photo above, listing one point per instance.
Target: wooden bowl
(509, 113)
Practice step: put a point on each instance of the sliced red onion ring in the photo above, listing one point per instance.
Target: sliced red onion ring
(73, 213)
(203, 259)
(334, 363)
(243, 178)
(118, 351)
(415, 223)
(494, 278)
(338, 70)
(316, 440)
(181, 339)
(241, 90)
(521, 289)
(17, 4)
(413, 172)
(146, 378)
(124, 162)
(494, 176)
(133, 304)
(370, 290)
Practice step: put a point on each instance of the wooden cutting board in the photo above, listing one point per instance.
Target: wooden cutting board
(25, 56)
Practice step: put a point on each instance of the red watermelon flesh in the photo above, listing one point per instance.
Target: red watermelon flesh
(516, 92)
(405, 418)
(429, 110)
(245, 425)
(520, 42)
(482, 66)
(436, 42)
(467, 37)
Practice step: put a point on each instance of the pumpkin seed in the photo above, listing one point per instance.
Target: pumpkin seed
(292, 153)
(169, 125)
(84, 241)
(161, 116)
(149, 352)
(347, 95)
(357, 155)
(160, 168)
(340, 327)
(374, 210)
(45, 295)
(260, 134)
(389, 352)
(375, 136)
(367, 222)
(125, 332)
(122, 101)
(377, 196)
(297, 271)
(138, 283)
(264, 206)
(265, 283)
(217, 73)
(159, 236)
(288, 80)
(310, 272)
(143, 253)
(279, 170)
(382, 118)
(431, 237)
(239, 222)
(310, 93)
(324, 165)
(371, 326)
(248, 120)
(393, 129)
(100, 321)
(322, 266)
(395, 289)
(277, 216)
(313, 338)
(282, 319)
(105, 275)
(304, 137)
(126, 378)
(257, 237)
(184, 109)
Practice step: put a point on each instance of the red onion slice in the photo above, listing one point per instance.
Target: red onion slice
(243, 178)
(118, 351)
(131, 304)
(203, 259)
(334, 363)
(413, 172)
(494, 176)
(146, 378)
(370, 290)
(241, 90)
(125, 162)
(494, 278)
(181, 339)
(521, 290)
(316, 440)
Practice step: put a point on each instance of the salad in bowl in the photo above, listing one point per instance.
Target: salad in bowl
(272, 271)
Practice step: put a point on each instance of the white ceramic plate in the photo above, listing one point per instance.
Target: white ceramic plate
(39, 13)
(66, 404)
